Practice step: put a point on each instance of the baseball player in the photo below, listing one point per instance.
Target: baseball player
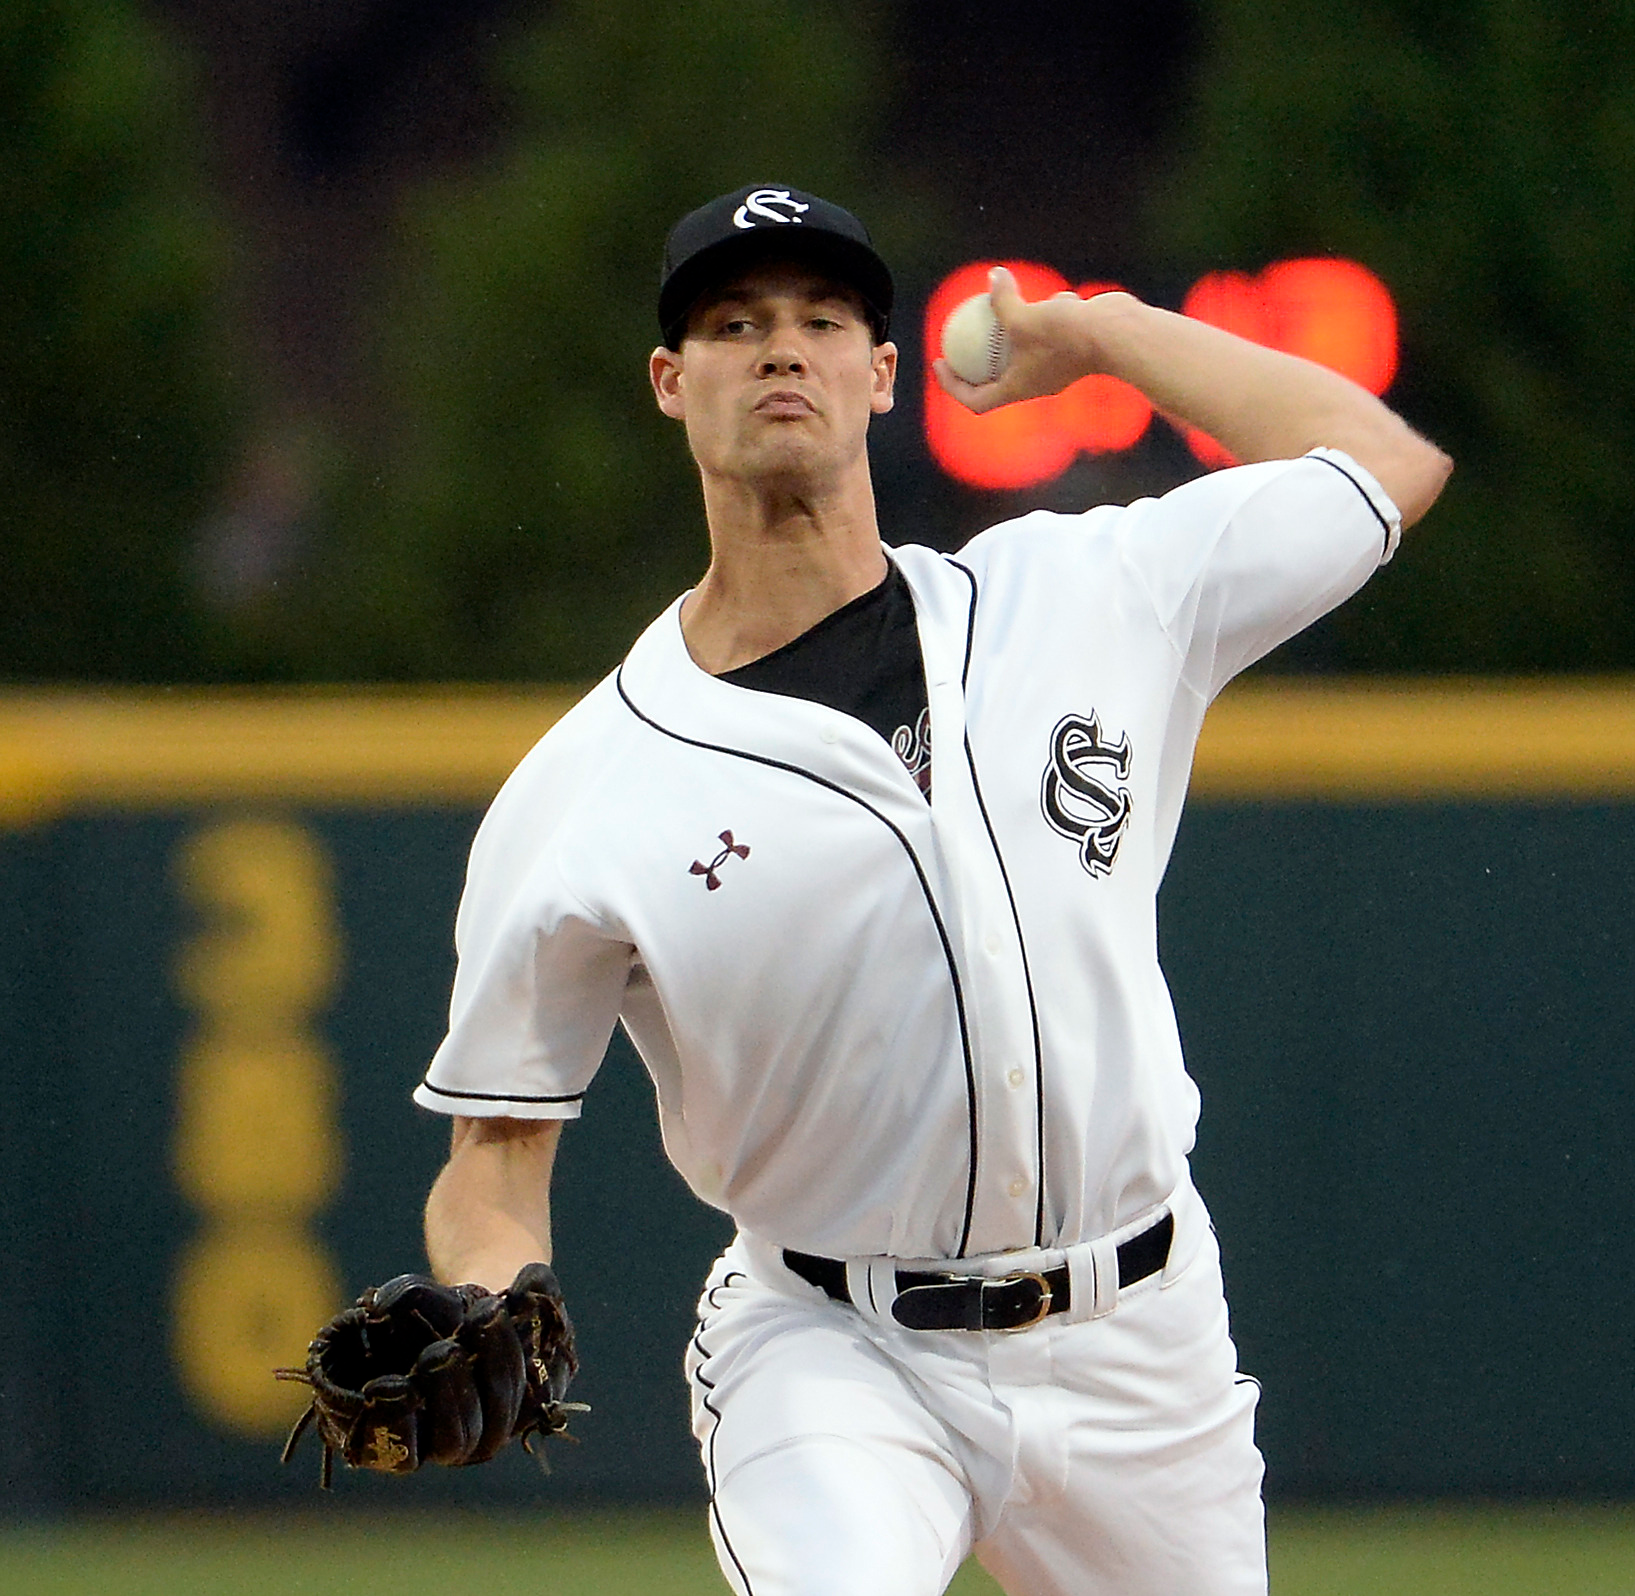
(862, 844)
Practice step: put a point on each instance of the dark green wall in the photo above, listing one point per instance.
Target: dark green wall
(1412, 1028)
(1409, 1024)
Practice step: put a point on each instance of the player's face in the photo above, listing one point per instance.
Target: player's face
(777, 377)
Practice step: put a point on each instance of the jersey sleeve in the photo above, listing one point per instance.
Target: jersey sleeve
(533, 1009)
(540, 976)
(1238, 562)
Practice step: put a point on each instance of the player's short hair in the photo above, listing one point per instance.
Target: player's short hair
(761, 222)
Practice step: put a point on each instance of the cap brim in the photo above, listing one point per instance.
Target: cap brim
(849, 262)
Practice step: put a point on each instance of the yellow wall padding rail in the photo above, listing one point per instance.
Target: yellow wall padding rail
(1362, 740)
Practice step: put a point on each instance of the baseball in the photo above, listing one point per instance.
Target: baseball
(973, 342)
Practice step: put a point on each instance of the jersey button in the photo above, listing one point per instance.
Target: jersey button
(1016, 1077)
(993, 943)
(830, 732)
(1017, 1187)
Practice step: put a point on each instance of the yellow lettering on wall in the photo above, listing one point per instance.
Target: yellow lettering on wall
(255, 1125)
(268, 953)
(248, 1296)
(257, 1146)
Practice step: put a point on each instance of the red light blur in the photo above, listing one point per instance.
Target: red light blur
(1332, 311)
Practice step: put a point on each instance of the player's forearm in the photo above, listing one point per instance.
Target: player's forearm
(489, 1212)
(1259, 403)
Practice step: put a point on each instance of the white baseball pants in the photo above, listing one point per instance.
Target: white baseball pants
(847, 1456)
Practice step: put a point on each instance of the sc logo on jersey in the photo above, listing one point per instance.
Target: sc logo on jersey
(1083, 795)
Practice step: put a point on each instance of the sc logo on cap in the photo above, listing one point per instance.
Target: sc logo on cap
(759, 207)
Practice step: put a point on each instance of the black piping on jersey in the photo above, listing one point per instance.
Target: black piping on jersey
(706, 1386)
(925, 891)
(502, 1097)
(1385, 525)
(1016, 919)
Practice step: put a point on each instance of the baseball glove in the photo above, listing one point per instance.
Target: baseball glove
(416, 1372)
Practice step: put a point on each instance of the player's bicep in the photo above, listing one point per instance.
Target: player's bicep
(539, 1137)
(465, 1128)
(515, 1153)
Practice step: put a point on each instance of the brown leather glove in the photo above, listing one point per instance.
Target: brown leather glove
(416, 1372)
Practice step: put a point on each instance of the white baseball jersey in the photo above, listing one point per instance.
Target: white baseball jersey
(878, 1026)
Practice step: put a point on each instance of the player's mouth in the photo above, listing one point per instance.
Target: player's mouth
(784, 403)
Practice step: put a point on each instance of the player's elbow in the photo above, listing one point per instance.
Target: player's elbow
(1421, 475)
(1411, 469)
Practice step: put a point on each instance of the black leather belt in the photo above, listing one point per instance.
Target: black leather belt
(934, 1301)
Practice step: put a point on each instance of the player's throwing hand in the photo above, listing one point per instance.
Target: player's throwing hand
(1051, 343)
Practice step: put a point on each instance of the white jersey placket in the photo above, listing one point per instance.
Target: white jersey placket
(1006, 1212)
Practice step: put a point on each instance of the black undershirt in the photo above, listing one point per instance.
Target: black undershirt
(864, 660)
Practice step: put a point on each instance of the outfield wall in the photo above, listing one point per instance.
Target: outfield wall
(1397, 927)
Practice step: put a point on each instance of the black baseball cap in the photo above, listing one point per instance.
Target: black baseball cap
(763, 221)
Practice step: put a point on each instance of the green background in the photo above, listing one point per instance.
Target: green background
(373, 406)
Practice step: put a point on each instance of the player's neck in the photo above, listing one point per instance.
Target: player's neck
(780, 560)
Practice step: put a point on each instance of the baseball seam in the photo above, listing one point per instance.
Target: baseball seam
(996, 351)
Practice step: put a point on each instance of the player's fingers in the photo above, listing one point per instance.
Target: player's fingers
(500, 1370)
(974, 396)
(1005, 297)
(949, 383)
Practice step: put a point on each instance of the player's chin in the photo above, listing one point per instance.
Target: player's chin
(782, 451)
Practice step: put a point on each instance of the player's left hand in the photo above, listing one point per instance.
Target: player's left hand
(417, 1372)
(1052, 345)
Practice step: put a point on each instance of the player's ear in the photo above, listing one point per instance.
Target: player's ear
(884, 363)
(664, 370)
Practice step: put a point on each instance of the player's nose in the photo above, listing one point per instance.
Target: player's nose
(781, 357)
(782, 351)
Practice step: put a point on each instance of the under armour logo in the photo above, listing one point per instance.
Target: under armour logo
(728, 849)
(1083, 794)
(758, 207)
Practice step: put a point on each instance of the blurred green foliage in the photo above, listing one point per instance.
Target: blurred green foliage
(1480, 156)
(525, 510)
(113, 415)
(513, 506)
